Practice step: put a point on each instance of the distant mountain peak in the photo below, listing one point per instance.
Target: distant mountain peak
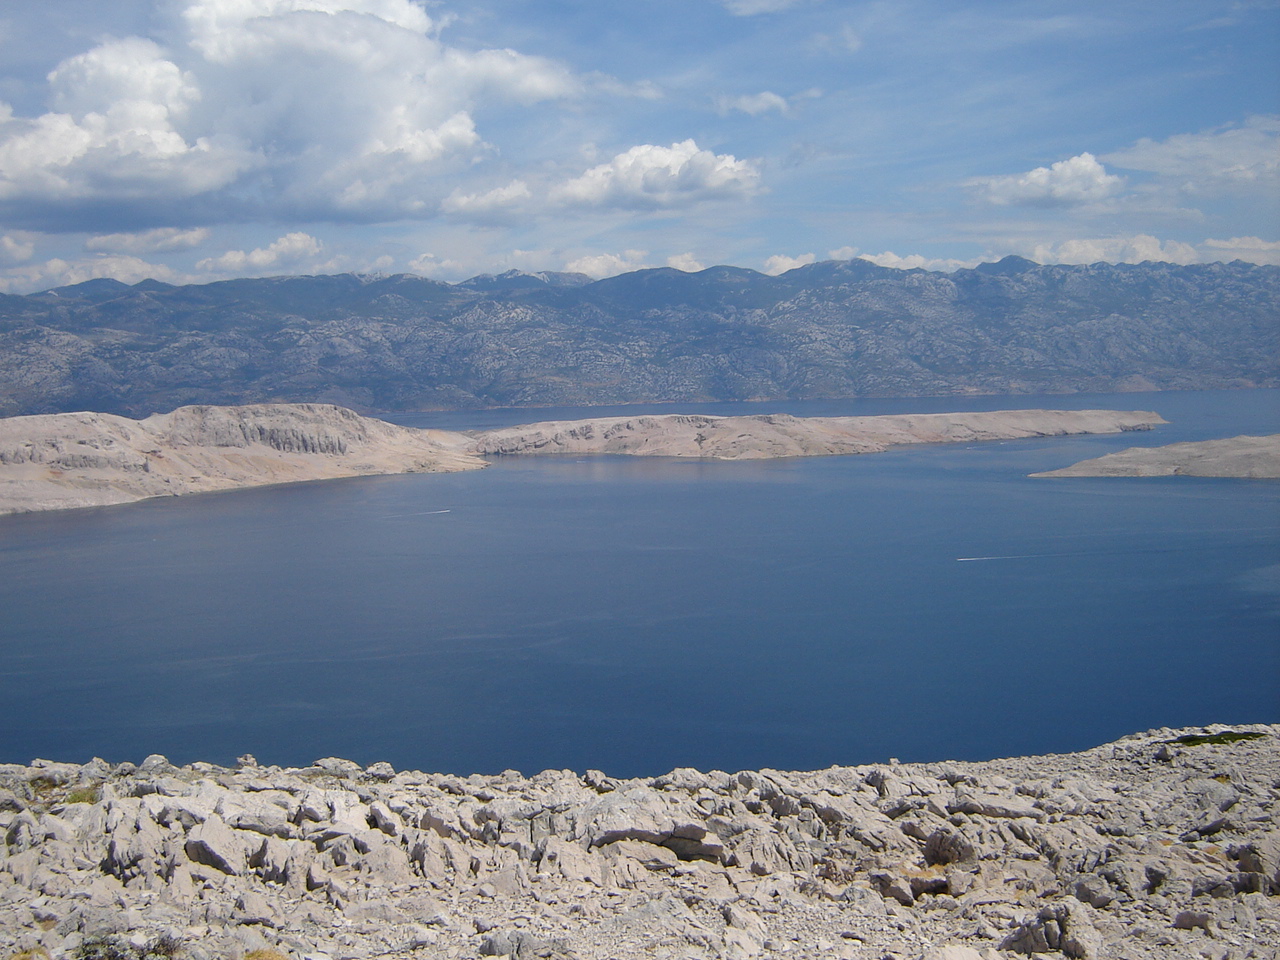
(94, 289)
(522, 280)
(1010, 266)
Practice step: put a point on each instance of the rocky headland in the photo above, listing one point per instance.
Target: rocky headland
(64, 460)
(61, 461)
(1254, 458)
(1161, 845)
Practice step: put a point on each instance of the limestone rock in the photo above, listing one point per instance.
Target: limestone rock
(1254, 458)
(1093, 854)
(214, 844)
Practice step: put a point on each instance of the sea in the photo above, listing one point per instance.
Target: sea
(635, 615)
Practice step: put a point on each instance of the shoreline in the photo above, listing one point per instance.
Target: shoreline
(1243, 458)
(66, 461)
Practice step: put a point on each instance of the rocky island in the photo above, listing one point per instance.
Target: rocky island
(1162, 845)
(60, 461)
(1254, 458)
(781, 435)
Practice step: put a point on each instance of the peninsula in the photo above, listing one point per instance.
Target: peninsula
(1160, 846)
(1254, 458)
(67, 460)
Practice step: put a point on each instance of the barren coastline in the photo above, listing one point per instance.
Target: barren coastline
(64, 461)
(1254, 458)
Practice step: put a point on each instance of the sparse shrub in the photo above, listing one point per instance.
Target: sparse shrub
(114, 948)
(265, 955)
(1207, 739)
(163, 948)
(36, 953)
(105, 948)
(87, 794)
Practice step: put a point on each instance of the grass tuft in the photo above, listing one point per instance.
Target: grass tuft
(1214, 739)
(88, 794)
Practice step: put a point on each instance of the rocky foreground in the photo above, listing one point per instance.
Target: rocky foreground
(1254, 458)
(1161, 845)
(66, 460)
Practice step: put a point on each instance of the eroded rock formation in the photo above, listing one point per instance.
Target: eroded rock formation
(58, 461)
(1161, 845)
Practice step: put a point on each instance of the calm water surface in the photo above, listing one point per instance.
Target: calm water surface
(636, 614)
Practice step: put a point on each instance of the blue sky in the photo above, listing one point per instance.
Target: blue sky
(192, 140)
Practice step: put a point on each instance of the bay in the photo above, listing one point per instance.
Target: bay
(635, 615)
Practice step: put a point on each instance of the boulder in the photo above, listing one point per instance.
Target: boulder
(216, 845)
(1066, 927)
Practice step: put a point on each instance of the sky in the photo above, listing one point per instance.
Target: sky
(196, 140)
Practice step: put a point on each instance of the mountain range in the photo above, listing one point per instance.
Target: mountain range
(835, 329)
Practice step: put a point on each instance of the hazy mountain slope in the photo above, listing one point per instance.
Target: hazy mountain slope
(835, 329)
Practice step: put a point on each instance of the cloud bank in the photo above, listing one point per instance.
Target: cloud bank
(1078, 180)
(328, 109)
(652, 176)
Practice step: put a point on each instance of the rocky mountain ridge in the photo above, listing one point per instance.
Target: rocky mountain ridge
(1160, 845)
(827, 330)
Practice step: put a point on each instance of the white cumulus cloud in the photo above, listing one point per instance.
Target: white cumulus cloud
(429, 265)
(500, 199)
(120, 127)
(1251, 249)
(161, 239)
(686, 262)
(16, 249)
(58, 272)
(1078, 180)
(340, 109)
(652, 176)
(289, 249)
(1133, 249)
(603, 265)
(914, 261)
(781, 263)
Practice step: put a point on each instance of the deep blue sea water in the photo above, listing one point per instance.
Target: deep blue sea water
(635, 614)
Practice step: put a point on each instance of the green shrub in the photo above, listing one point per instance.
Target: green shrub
(88, 794)
(1204, 739)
